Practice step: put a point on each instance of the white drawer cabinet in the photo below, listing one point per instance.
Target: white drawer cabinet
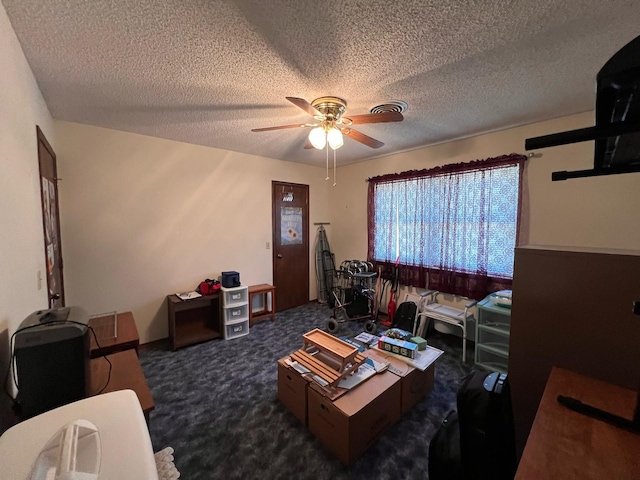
(492, 335)
(235, 312)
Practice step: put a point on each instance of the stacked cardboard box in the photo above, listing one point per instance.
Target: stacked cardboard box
(349, 425)
(348, 422)
(415, 383)
(292, 390)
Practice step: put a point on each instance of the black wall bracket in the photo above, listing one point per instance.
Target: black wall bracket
(583, 135)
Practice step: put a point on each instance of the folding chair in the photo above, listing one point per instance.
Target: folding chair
(428, 307)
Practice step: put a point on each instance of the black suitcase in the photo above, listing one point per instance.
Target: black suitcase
(444, 450)
(487, 437)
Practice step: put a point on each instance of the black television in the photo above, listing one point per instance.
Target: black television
(617, 130)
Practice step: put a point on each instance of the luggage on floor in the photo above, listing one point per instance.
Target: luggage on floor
(444, 450)
(487, 438)
(478, 441)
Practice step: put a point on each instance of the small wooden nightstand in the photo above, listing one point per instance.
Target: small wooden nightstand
(194, 321)
(268, 292)
(125, 339)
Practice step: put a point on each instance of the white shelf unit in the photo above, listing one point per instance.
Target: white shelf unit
(235, 312)
(492, 336)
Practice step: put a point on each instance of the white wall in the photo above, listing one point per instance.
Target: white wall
(143, 217)
(600, 212)
(591, 212)
(21, 234)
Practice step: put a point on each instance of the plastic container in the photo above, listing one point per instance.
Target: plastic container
(235, 313)
(236, 330)
(235, 295)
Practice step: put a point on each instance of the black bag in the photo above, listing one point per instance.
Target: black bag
(357, 303)
(208, 286)
(444, 450)
(230, 279)
(487, 435)
(405, 316)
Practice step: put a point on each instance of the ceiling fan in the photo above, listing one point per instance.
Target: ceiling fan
(330, 123)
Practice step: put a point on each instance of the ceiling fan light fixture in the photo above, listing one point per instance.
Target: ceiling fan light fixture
(318, 138)
(334, 137)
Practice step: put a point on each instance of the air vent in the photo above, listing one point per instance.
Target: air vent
(392, 106)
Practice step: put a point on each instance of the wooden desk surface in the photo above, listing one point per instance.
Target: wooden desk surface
(127, 336)
(263, 287)
(564, 444)
(126, 373)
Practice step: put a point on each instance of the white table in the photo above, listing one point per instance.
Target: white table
(127, 453)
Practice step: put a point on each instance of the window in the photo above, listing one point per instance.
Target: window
(454, 227)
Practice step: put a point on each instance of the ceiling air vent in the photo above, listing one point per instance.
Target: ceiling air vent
(392, 106)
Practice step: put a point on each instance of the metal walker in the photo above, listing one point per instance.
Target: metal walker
(353, 296)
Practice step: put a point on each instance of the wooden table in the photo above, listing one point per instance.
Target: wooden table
(564, 444)
(127, 335)
(126, 373)
(267, 292)
(194, 321)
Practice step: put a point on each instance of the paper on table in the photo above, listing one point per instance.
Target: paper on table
(378, 366)
(364, 371)
(187, 295)
(298, 367)
(367, 339)
(423, 359)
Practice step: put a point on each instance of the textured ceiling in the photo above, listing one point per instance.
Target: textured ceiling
(207, 72)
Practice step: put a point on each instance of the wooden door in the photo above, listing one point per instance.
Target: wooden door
(50, 221)
(290, 207)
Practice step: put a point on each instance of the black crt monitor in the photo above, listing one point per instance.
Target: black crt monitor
(52, 364)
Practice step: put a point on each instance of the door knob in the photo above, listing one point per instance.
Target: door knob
(279, 255)
(55, 296)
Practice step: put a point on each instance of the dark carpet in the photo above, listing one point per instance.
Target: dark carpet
(216, 405)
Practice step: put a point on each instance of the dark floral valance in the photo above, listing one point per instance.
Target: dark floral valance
(501, 161)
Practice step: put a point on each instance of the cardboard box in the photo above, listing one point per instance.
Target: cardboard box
(292, 390)
(399, 347)
(349, 425)
(416, 384)
(420, 342)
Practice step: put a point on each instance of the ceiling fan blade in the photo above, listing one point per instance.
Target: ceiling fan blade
(306, 106)
(362, 138)
(281, 127)
(308, 145)
(373, 118)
